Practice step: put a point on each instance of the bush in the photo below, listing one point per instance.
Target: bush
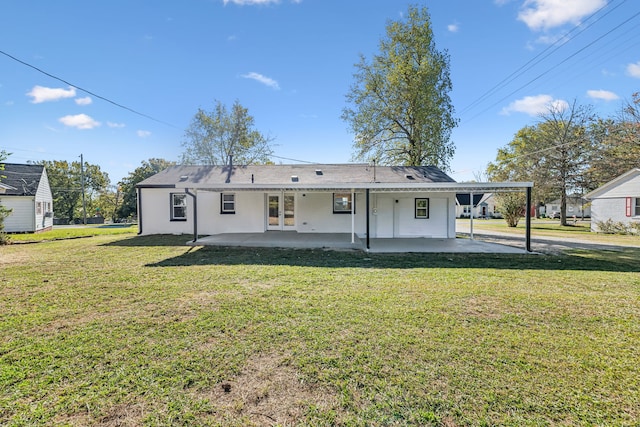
(612, 227)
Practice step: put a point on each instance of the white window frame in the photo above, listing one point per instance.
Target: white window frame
(343, 203)
(227, 203)
(178, 201)
(424, 208)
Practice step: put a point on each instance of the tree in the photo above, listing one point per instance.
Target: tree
(511, 206)
(553, 154)
(127, 186)
(214, 136)
(65, 180)
(400, 110)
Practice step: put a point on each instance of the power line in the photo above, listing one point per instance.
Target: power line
(124, 107)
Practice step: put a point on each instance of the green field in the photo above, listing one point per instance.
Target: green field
(120, 330)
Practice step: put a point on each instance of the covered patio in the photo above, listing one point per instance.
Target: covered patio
(343, 241)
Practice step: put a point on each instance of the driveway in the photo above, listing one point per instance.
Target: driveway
(541, 244)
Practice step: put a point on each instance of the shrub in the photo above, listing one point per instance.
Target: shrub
(612, 227)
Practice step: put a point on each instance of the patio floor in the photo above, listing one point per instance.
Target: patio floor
(342, 241)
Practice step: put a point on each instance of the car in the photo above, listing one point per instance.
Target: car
(554, 215)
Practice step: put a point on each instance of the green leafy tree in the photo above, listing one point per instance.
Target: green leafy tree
(511, 206)
(4, 212)
(65, 180)
(214, 136)
(554, 154)
(127, 187)
(399, 107)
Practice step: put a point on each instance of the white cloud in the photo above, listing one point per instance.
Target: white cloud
(634, 70)
(535, 105)
(84, 101)
(79, 121)
(604, 95)
(43, 94)
(547, 14)
(115, 125)
(143, 133)
(453, 28)
(267, 81)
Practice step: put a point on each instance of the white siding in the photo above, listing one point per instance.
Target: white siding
(155, 211)
(44, 196)
(612, 203)
(21, 218)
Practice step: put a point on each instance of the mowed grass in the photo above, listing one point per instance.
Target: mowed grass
(127, 330)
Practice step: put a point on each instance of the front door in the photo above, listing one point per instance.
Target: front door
(281, 210)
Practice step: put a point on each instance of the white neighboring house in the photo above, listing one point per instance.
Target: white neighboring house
(484, 206)
(25, 190)
(618, 200)
(576, 205)
(364, 200)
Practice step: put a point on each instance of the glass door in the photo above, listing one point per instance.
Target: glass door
(281, 211)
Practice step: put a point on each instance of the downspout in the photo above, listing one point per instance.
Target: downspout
(353, 216)
(367, 203)
(139, 191)
(528, 222)
(471, 216)
(195, 214)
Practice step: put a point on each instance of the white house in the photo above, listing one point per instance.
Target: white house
(484, 206)
(618, 200)
(366, 201)
(25, 190)
(576, 206)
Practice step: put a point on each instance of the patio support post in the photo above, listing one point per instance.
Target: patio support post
(471, 215)
(139, 191)
(195, 214)
(353, 215)
(367, 203)
(528, 221)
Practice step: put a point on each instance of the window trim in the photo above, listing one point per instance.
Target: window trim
(224, 211)
(351, 202)
(426, 208)
(173, 206)
(636, 210)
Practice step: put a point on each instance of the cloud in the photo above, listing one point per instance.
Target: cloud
(535, 105)
(267, 81)
(604, 95)
(79, 121)
(42, 94)
(634, 70)
(546, 14)
(84, 101)
(143, 133)
(453, 28)
(115, 125)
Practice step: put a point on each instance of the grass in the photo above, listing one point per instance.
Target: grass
(59, 233)
(128, 330)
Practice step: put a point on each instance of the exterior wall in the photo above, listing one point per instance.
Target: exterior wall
(21, 218)
(45, 197)
(392, 214)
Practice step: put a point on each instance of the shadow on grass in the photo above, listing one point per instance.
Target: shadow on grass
(623, 260)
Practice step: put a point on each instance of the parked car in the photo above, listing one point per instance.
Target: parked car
(554, 215)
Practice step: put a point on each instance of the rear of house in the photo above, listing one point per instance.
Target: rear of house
(382, 202)
(26, 191)
(617, 201)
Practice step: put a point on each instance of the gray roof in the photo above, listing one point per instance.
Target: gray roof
(20, 180)
(311, 177)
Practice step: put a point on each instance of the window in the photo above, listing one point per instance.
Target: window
(422, 208)
(637, 209)
(342, 203)
(227, 203)
(178, 207)
(38, 208)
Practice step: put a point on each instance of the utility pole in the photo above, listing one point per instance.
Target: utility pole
(84, 203)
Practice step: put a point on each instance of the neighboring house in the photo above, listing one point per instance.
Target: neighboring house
(364, 200)
(484, 206)
(618, 200)
(576, 206)
(25, 190)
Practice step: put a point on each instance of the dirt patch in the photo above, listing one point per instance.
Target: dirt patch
(481, 307)
(269, 392)
(15, 258)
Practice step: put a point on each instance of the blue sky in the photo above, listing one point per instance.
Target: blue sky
(291, 64)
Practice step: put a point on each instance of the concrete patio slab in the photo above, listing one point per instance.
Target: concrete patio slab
(342, 241)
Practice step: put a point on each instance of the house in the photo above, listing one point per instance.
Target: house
(484, 206)
(576, 206)
(363, 200)
(618, 200)
(25, 190)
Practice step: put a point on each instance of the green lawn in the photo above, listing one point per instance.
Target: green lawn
(127, 330)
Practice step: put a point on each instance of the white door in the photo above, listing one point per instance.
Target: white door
(384, 217)
(281, 211)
